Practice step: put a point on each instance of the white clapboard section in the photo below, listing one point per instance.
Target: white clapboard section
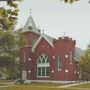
(24, 75)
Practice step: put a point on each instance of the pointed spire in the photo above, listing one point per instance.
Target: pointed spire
(30, 23)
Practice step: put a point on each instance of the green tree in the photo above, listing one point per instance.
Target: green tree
(9, 40)
(71, 1)
(85, 64)
(8, 17)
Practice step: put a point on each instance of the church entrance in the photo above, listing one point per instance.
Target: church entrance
(24, 75)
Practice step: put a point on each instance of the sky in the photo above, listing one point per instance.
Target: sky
(56, 17)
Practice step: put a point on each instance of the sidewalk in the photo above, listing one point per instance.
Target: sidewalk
(7, 85)
(69, 85)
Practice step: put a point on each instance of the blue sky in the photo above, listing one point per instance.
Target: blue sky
(56, 17)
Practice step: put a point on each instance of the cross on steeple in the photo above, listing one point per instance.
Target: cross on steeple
(30, 11)
(64, 33)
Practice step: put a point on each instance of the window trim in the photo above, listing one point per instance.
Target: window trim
(59, 62)
(41, 64)
(70, 57)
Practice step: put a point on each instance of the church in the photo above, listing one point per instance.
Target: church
(47, 59)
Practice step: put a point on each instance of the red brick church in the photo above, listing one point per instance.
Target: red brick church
(45, 58)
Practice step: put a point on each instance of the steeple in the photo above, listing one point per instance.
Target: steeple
(30, 25)
(64, 33)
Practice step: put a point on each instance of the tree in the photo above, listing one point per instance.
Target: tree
(85, 64)
(9, 44)
(71, 1)
(8, 17)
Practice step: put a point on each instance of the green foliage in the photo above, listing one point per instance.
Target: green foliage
(85, 63)
(7, 41)
(69, 1)
(8, 17)
(10, 43)
(20, 39)
(7, 50)
(9, 46)
(83, 86)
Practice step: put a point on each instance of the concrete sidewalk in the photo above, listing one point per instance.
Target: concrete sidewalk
(70, 85)
(7, 86)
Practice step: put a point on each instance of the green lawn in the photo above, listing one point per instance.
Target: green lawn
(33, 87)
(42, 86)
(83, 86)
(5, 81)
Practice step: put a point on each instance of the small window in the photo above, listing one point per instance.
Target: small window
(59, 63)
(70, 57)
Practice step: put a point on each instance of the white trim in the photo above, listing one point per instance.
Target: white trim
(59, 62)
(36, 43)
(70, 57)
(59, 69)
(43, 76)
(43, 65)
(42, 36)
(48, 40)
(48, 81)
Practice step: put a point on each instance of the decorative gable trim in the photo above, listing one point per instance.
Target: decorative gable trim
(48, 40)
(42, 36)
(33, 48)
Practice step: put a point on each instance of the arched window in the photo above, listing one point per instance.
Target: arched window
(43, 66)
(59, 63)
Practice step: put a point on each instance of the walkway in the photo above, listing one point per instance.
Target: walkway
(75, 84)
(8, 84)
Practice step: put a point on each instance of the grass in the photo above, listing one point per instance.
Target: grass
(33, 87)
(42, 86)
(83, 86)
(5, 81)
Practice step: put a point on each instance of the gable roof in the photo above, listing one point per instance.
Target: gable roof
(46, 37)
(30, 22)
